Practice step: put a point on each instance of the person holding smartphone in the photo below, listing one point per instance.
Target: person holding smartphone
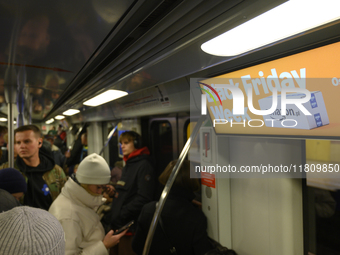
(76, 206)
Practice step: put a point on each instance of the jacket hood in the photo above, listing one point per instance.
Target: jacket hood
(46, 162)
(136, 153)
(80, 196)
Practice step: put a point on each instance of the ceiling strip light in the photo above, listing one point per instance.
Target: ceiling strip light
(49, 121)
(283, 21)
(71, 112)
(59, 117)
(105, 97)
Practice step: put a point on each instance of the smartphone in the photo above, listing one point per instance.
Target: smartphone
(124, 227)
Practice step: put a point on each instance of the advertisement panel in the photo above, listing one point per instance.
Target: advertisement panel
(295, 96)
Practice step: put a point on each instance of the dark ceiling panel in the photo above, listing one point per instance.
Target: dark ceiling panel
(50, 41)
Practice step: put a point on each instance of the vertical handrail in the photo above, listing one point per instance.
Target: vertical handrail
(108, 139)
(168, 186)
(10, 121)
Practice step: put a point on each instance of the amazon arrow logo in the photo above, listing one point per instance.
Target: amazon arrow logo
(204, 97)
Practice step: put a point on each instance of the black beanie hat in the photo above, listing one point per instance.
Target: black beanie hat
(12, 181)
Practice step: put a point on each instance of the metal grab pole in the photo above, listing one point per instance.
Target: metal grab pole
(108, 139)
(10, 121)
(168, 186)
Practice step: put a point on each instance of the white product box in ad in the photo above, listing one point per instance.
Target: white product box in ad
(316, 106)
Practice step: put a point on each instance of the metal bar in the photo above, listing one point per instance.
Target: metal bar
(108, 139)
(10, 121)
(168, 186)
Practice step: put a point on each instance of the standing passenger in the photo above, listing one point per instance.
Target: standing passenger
(76, 207)
(184, 225)
(44, 178)
(134, 189)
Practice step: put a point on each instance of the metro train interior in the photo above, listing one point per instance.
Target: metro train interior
(57, 55)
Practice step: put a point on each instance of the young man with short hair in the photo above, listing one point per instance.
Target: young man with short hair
(134, 189)
(44, 178)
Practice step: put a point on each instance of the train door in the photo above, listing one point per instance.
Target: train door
(163, 145)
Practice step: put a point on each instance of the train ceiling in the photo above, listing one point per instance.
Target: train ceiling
(65, 52)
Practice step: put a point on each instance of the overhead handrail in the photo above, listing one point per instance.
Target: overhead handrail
(168, 186)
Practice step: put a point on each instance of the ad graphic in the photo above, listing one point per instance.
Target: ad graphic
(291, 96)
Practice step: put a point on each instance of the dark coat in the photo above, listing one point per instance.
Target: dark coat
(185, 225)
(134, 189)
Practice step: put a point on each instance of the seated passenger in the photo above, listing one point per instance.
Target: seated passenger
(184, 224)
(76, 206)
(30, 231)
(13, 182)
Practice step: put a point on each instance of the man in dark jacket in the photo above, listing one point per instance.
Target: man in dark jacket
(44, 178)
(184, 225)
(134, 189)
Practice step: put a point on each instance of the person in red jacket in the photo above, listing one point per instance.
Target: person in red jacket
(134, 189)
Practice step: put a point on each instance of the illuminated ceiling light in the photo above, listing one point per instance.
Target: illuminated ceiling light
(59, 117)
(287, 19)
(3, 119)
(49, 121)
(71, 112)
(105, 97)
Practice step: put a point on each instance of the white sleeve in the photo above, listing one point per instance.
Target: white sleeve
(74, 239)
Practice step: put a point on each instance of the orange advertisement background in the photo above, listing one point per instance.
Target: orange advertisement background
(322, 65)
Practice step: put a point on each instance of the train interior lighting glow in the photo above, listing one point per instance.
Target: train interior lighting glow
(105, 97)
(59, 117)
(288, 19)
(49, 121)
(71, 112)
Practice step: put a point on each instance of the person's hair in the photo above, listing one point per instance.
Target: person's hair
(183, 177)
(33, 128)
(3, 130)
(128, 135)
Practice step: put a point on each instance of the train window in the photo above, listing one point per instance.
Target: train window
(322, 173)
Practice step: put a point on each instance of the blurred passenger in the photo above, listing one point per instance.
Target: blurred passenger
(84, 150)
(3, 143)
(59, 158)
(191, 237)
(3, 131)
(13, 182)
(60, 139)
(134, 189)
(30, 231)
(7, 202)
(44, 178)
(76, 207)
(52, 131)
(116, 172)
(78, 152)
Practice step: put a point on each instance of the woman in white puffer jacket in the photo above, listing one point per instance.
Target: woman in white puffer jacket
(76, 207)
